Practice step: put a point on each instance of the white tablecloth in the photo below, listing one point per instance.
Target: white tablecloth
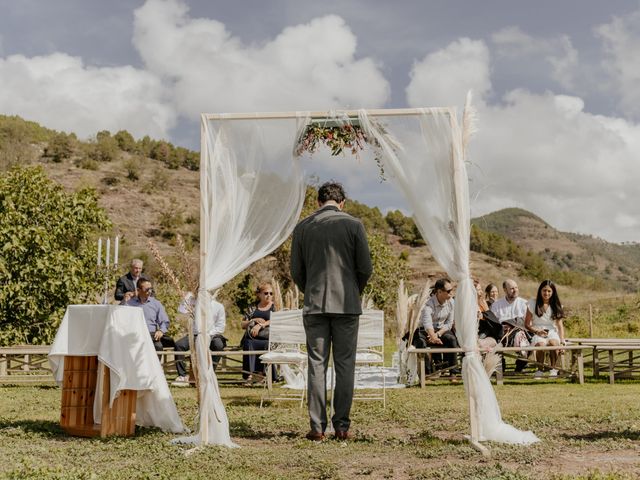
(118, 335)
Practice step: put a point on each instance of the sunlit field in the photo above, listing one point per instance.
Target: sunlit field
(587, 431)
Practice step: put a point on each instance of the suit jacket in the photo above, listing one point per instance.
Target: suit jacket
(330, 262)
(126, 284)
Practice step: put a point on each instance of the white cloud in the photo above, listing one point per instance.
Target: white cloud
(621, 38)
(513, 42)
(558, 52)
(308, 66)
(443, 78)
(544, 153)
(62, 93)
(625, 221)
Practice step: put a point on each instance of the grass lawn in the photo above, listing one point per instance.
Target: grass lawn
(590, 431)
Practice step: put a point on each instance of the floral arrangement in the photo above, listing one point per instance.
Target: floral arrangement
(338, 138)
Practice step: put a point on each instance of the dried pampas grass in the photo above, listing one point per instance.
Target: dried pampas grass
(490, 362)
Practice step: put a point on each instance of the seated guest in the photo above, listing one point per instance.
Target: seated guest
(491, 294)
(154, 314)
(489, 328)
(544, 320)
(256, 337)
(511, 309)
(436, 323)
(126, 285)
(217, 342)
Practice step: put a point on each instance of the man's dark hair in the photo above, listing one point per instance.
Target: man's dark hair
(141, 281)
(331, 191)
(440, 284)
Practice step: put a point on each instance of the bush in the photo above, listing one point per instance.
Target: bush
(405, 228)
(110, 181)
(105, 148)
(48, 260)
(125, 141)
(60, 147)
(132, 168)
(388, 269)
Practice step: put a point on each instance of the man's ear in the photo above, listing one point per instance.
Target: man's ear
(341, 204)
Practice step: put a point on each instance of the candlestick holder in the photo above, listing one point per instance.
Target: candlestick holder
(107, 274)
(108, 270)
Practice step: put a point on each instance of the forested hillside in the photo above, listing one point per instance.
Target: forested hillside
(570, 257)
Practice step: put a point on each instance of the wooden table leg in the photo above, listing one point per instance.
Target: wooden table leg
(611, 369)
(580, 367)
(421, 360)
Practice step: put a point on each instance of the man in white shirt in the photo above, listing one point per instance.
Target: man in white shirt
(511, 306)
(215, 329)
(511, 309)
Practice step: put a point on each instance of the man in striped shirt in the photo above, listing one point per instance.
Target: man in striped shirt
(436, 321)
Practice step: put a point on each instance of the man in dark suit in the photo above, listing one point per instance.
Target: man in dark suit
(330, 263)
(126, 285)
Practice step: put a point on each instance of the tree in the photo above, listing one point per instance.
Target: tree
(161, 152)
(60, 147)
(388, 269)
(105, 149)
(46, 258)
(125, 141)
(404, 227)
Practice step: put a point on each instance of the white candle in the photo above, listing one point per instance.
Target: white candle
(115, 253)
(99, 251)
(108, 249)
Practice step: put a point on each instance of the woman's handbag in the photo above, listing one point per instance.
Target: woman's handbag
(263, 333)
(490, 326)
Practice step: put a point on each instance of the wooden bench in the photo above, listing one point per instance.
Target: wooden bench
(25, 364)
(30, 364)
(576, 369)
(229, 370)
(621, 347)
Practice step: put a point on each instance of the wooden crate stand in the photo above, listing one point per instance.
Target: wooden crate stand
(78, 395)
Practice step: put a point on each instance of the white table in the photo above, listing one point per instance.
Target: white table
(119, 337)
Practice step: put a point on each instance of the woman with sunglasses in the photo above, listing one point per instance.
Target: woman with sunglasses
(255, 324)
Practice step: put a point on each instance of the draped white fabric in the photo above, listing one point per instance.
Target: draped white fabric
(119, 337)
(252, 193)
(251, 196)
(424, 155)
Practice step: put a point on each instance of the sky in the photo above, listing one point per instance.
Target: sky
(556, 84)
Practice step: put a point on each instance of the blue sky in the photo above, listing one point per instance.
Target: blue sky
(556, 84)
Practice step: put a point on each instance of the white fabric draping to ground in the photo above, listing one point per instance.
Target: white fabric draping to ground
(251, 195)
(424, 155)
(119, 337)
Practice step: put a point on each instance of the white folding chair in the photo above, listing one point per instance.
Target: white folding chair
(286, 342)
(369, 353)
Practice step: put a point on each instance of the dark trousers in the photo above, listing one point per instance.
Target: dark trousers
(449, 340)
(164, 342)
(338, 333)
(251, 363)
(217, 344)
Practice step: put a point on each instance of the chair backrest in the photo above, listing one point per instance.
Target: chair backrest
(371, 329)
(286, 328)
